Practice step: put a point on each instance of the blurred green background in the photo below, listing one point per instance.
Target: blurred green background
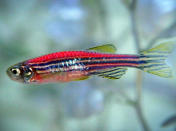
(30, 28)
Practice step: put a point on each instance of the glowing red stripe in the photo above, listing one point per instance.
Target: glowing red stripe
(74, 54)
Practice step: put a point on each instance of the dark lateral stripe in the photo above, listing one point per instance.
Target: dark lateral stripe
(59, 65)
(107, 66)
(92, 68)
(152, 65)
(100, 64)
(152, 56)
(82, 59)
(88, 61)
(95, 58)
(94, 63)
(51, 62)
(114, 62)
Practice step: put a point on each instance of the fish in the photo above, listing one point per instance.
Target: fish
(66, 66)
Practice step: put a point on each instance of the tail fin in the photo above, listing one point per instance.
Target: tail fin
(153, 60)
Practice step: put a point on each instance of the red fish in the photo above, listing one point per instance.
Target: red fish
(79, 65)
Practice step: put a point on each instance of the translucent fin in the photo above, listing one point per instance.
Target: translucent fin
(82, 78)
(113, 73)
(164, 47)
(108, 48)
(153, 60)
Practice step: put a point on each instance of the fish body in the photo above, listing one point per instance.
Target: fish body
(75, 65)
(69, 66)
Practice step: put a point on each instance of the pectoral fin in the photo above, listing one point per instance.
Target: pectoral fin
(82, 78)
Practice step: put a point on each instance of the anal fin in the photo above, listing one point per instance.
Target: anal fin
(113, 73)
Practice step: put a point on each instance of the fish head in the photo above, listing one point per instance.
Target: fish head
(20, 72)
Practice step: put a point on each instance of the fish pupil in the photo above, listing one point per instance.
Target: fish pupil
(14, 71)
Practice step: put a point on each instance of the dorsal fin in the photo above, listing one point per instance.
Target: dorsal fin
(113, 73)
(107, 48)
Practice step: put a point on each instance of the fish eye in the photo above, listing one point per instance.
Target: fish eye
(16, 71)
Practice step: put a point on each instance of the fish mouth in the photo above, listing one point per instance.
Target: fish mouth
(8, 72)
